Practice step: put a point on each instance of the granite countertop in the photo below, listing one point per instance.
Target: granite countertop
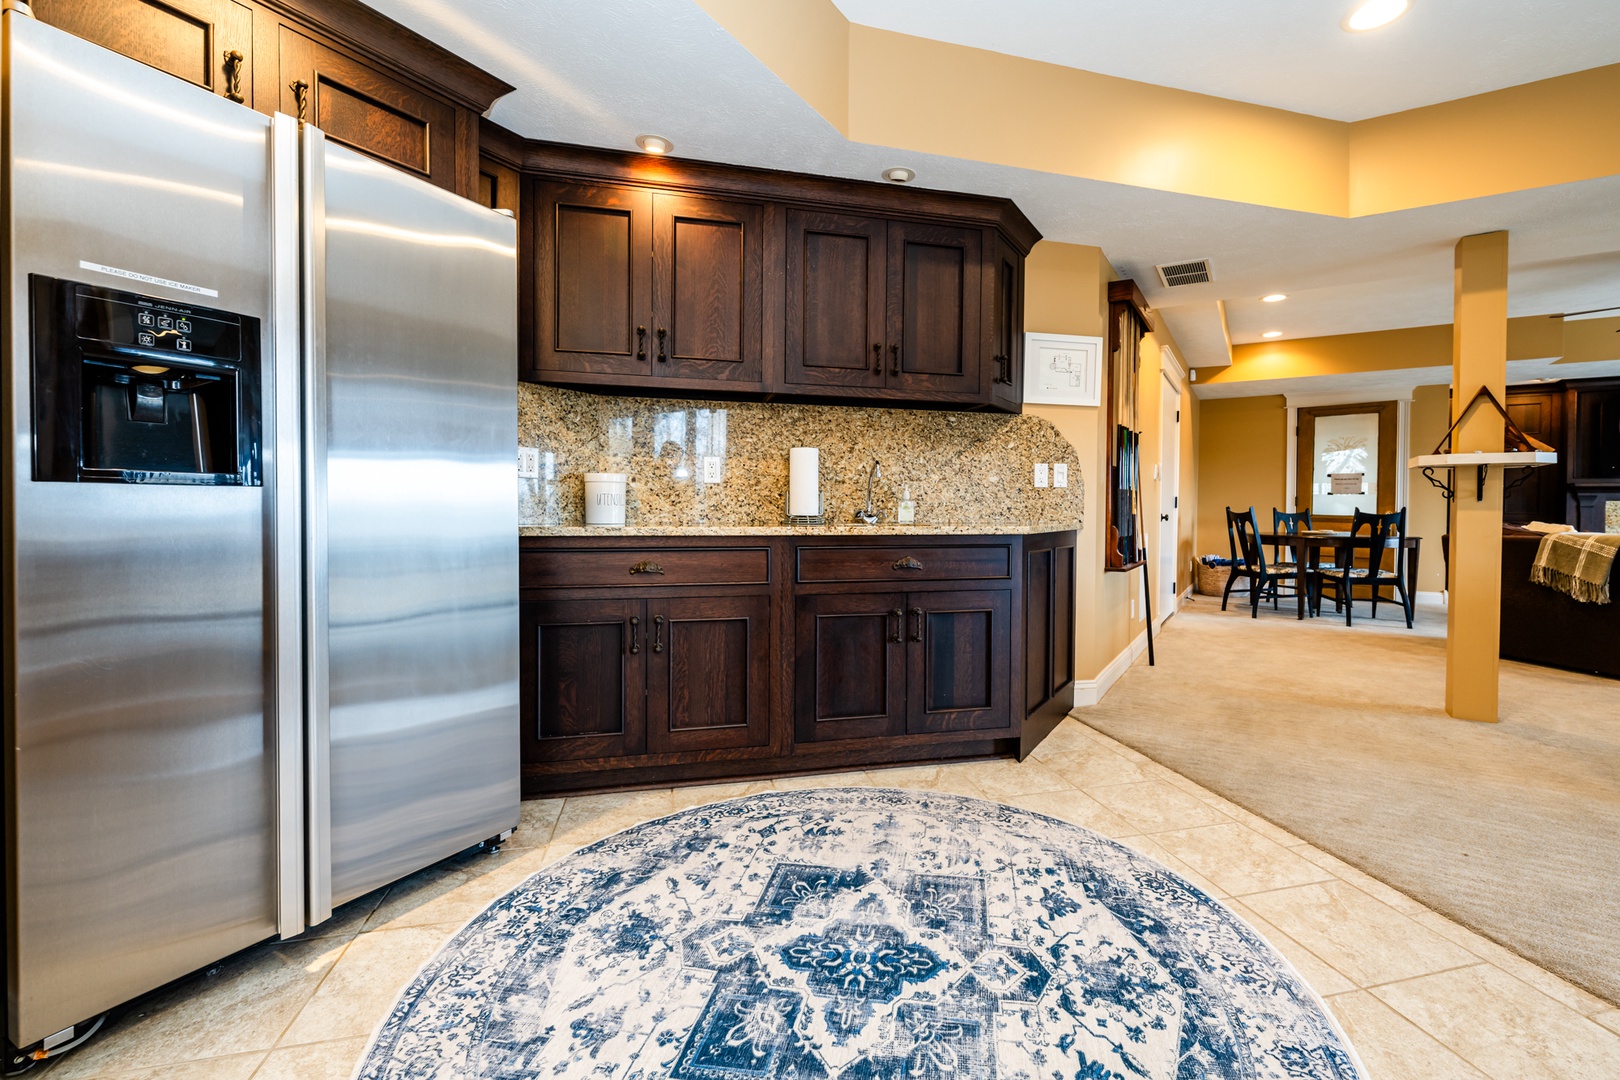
(840, 529)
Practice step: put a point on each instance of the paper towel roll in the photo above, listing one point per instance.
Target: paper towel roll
(804, 481)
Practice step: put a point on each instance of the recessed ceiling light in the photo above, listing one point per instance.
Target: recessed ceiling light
(1371, 14)
(1272, 298)
(899, 175)
(655, 144)
(1272, 333)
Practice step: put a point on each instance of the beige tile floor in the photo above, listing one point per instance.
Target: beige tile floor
(1421, 997)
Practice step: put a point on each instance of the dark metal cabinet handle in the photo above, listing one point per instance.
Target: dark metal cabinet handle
(658, 633)
(894, 625)
(663, 356)
(917, 617)
(641, 343)
(233, 76)
(1164, 517)
(907, 563)
(635, 628)
(894, 359)
(1003, 369)
(300, 90)
(647, 566)
(877, 357)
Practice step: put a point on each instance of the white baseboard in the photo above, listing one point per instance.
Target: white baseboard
(1436, 598)
(1090, 691)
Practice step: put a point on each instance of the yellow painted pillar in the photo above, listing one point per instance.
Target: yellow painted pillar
(1478, 358)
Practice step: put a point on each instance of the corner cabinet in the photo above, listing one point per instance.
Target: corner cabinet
(365, 80)
(646, 275)
(658, 660)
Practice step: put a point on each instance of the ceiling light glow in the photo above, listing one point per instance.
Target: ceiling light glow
(1272, 334)
(655, 144)
(899, 175)
(1272, 298)
(1371, 14)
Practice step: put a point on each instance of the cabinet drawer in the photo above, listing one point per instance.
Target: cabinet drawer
(901, 562)
(645, 566)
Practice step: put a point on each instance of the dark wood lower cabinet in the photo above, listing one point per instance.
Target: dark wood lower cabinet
(683, 658)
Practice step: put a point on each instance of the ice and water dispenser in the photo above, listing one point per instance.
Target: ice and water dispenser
(142, 390)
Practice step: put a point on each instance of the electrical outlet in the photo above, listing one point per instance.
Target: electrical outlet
(528, 463)
(1040, 474)
(711, 470)
(1060, 475)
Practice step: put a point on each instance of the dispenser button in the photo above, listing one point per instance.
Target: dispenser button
(183, 325)
(165, 323)
(144, 318)
(146, 339)
(183, 344)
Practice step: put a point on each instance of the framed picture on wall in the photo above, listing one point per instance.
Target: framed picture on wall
(1062, 369)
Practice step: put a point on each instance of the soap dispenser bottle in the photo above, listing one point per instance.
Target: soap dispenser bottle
(906, 513)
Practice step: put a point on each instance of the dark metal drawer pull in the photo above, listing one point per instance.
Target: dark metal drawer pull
(877, 357)
(917, 614)
(894, 624)
(658, 633)
(907, 563)
(641, 343)
(894, 358)
(635, 627)
(663, 356)
(646, 566)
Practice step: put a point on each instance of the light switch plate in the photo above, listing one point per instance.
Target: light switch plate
(1060, 475)
(528, 463)
(711, 470)
(1040, 474)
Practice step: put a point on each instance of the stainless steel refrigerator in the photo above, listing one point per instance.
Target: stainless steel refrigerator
(260, 526)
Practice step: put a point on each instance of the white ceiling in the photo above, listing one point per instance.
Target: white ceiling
(600, 73)
(1289, 54)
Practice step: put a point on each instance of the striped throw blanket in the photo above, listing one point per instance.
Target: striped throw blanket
(1577, 564)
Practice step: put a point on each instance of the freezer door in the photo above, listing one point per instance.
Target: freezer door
(140, 764)
(412, 522)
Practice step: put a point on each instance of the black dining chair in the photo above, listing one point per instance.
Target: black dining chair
(1345, 577)
(1249, 562)
(1281, 562)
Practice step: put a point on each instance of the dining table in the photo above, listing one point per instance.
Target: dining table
(1307, 544)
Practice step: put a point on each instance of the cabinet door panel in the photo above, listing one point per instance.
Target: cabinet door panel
(584, 679)
(934, 305)
(1038, 572)
(709, 673)
(186, 38)
(708, 282)
(959, 667)
(1006, 372)
(850, 666)
(1062, 618)
(369, 111)
(594, 279)
(835, 299)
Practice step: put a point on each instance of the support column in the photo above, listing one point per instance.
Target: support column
(1478, 358)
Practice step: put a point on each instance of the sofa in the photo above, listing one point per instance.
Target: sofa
(1543, 626)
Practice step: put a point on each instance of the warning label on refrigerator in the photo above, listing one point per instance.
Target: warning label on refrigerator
(131, 275)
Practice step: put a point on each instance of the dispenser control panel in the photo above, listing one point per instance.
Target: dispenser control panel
(131, 321)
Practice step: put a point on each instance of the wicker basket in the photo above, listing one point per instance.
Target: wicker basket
(1211, 580)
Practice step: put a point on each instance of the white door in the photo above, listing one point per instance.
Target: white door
(1168, 579)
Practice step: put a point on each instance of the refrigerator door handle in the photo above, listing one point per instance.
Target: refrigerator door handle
(312, 182)
(284, 487)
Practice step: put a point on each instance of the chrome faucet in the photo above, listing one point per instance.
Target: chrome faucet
(867, 515)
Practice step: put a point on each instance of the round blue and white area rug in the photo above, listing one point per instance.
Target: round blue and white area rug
(857, 934)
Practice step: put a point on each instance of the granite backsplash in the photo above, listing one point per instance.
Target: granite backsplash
(962, 468)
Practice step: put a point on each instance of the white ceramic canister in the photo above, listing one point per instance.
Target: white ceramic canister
(604, 498)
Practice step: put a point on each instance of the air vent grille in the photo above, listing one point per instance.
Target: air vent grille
(1190, 272)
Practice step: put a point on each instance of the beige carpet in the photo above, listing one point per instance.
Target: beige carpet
(1340, 736)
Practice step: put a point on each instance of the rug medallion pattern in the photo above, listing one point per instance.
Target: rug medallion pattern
(857, 934)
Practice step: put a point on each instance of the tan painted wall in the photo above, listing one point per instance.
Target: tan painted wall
(879, 87)
(1425, 506)
(1242, 462)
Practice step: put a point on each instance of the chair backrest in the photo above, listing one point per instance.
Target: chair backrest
(1243, 536)
(1382, 528)
(1287, 523)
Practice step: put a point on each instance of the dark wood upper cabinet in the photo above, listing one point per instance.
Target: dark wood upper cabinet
(708, 291)
(801, 288)
(934, 308)
(367, 81)
(836, 299)
(206, 42)
(593, 247)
